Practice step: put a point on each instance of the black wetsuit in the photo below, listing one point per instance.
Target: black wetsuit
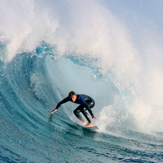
(86, 103)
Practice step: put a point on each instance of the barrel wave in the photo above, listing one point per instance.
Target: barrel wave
(92, 49)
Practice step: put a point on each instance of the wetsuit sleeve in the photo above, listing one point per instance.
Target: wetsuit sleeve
(87, 106)
(62, 102)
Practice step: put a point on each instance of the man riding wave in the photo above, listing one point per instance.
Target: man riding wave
(86, 103)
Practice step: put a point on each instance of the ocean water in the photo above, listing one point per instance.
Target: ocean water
(50, 48)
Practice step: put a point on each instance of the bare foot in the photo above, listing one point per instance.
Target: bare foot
(83, 123)
(90, 124)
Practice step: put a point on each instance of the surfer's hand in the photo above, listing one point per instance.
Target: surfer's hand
(53, 111)
(94, 117)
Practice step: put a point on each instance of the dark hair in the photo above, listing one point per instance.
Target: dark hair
(71, 94)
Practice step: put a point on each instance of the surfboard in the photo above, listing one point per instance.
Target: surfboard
(93, 127)
(86, 127)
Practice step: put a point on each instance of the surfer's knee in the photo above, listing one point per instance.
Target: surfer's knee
(76, 112)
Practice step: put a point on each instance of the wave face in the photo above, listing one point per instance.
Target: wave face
(54, 47)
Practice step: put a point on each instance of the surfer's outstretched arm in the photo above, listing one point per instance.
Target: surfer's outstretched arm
(59, 104)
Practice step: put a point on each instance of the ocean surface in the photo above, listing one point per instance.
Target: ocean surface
(50, 48)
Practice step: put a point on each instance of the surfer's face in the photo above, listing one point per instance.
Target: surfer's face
(74, 98)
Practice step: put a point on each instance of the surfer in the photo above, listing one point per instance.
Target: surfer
(86, 103)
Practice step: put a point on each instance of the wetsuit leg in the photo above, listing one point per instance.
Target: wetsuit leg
(77, 112)
(85, 114)
(91, 104)
(81, 108)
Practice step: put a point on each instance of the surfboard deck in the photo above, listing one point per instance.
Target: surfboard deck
(86, 127)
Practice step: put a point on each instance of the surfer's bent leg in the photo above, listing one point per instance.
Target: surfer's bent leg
(81, 108)
(85, 114)
(91, 104)
(77, 112)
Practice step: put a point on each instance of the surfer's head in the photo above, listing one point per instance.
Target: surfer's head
(72, 95)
